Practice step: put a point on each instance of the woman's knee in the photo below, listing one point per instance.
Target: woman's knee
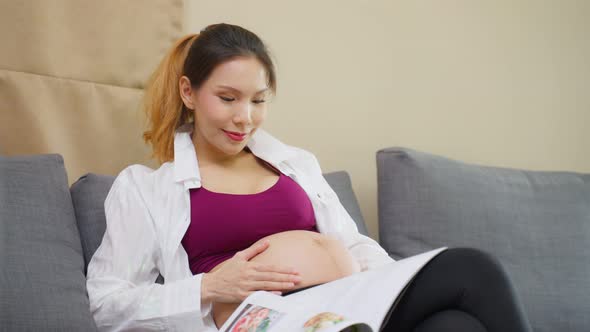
(472, 257)
(481, 265)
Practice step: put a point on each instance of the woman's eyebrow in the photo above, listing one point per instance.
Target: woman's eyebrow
(238, 91)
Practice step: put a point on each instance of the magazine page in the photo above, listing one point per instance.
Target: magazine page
(362, 297)
(261, 311)
(366, 296)
(266, 312)
(330, 322)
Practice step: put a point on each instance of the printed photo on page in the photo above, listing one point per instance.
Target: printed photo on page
(254, 318)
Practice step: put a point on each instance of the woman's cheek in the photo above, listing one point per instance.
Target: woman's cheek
(216, 108)
(259, 116)
(220, 114)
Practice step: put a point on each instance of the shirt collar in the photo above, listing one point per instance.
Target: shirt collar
(261, 143)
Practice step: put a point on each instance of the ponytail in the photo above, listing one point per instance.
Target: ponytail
(163, 107)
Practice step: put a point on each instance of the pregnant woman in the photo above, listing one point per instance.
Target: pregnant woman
(233, 210)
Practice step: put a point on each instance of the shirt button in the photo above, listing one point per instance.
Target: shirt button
(319, 196)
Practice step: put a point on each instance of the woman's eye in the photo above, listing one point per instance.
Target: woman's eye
(228, 99)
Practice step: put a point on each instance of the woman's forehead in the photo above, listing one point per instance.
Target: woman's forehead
(244, 75)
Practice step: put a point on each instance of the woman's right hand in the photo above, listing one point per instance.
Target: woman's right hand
(238, 277)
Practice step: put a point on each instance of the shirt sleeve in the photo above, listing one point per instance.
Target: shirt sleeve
(367, 252)
(121, 274)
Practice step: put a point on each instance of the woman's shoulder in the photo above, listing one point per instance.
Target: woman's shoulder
(138, 173)
(304, 159)
(143, 172)
(142, 186)
(144, 178)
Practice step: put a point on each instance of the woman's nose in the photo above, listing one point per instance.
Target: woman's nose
(244, 114)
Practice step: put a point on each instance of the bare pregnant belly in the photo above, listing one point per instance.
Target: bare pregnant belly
(318, 258)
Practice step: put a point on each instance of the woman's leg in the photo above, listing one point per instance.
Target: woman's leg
(462, 289)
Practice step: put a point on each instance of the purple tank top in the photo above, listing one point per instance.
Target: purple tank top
(223, 224)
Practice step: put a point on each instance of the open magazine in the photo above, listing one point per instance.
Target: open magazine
(359, 302)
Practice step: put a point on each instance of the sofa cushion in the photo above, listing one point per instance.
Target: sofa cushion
(536, 222)
(90, 190)
(340, 182)
(88, 195)
(43, 282)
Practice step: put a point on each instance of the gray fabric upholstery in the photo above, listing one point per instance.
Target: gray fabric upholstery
(88, 195)
(43, 287)
(340, 182)
(536, 223)
(90, 190)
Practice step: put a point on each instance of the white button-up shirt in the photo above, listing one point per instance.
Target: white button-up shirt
(147, 214)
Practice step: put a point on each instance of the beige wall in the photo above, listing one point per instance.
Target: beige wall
(72, 74)
(504, 83)
(501, 83)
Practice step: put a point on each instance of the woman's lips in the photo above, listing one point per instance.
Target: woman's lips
(234, 136)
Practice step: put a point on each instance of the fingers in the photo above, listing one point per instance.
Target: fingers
(271, 285)
(272, 281)
(252, 251)
(275, 276)
(274, 268)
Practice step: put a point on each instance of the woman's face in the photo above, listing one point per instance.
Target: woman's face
(233, 99)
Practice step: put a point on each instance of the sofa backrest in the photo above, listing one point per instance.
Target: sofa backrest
(536, 223)
(43, 282)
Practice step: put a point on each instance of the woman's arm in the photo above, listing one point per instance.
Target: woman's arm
(122, 271)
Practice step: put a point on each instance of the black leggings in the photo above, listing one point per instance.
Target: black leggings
(461, 289)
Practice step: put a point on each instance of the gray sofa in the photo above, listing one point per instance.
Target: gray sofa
(48, 234)
(537, 223)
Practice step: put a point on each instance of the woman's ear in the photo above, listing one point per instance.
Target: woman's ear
(186, 92)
